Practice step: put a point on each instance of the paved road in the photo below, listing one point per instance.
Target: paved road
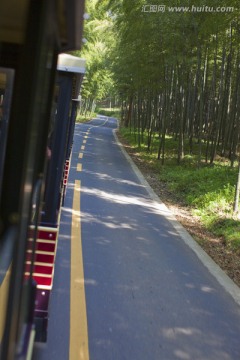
(148, 296)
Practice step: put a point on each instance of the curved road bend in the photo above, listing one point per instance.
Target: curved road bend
(147, 295)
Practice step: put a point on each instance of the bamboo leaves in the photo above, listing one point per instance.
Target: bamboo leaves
(184, 67)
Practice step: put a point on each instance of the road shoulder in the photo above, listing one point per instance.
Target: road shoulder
(143, 173)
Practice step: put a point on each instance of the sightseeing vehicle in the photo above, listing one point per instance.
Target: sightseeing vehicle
(70, 71)
(37, 98)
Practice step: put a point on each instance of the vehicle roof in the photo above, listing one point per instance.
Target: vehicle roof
(70, 63)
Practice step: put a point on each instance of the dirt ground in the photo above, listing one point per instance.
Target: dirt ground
(214, 246)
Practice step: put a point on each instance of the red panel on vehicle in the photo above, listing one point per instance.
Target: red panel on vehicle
(44, 246)
(45, 254)
(43, 280)
(29, 257)
(66, 172)
(47, 235)
(38, 269)
(44, 234)
(49, 259)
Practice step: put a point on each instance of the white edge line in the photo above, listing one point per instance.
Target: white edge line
(222, 278)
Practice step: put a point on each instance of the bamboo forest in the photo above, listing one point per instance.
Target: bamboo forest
(175, 72)
(171, 69)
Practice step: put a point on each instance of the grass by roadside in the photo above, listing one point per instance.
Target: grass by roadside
(113, 112)
(208, 191)
(85, 118)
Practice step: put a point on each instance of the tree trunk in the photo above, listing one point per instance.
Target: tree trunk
(236, 200)
(129, 113)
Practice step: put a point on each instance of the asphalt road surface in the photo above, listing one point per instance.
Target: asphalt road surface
(148, 296)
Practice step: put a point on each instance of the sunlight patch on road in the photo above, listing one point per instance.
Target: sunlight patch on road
(207, 289)
(109, 223)
(153, 206)
(173, 333)
(102, 176)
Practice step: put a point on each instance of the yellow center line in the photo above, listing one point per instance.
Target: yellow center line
(80, 156)
(3, 300)
(84, 141)
(82, 147)
(79, 167)
(78, 348)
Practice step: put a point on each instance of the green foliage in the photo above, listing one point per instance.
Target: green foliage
(229, 229)
(109, 112)
(98, 81)
(148, 41)
(208, 191)
(85, 118)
